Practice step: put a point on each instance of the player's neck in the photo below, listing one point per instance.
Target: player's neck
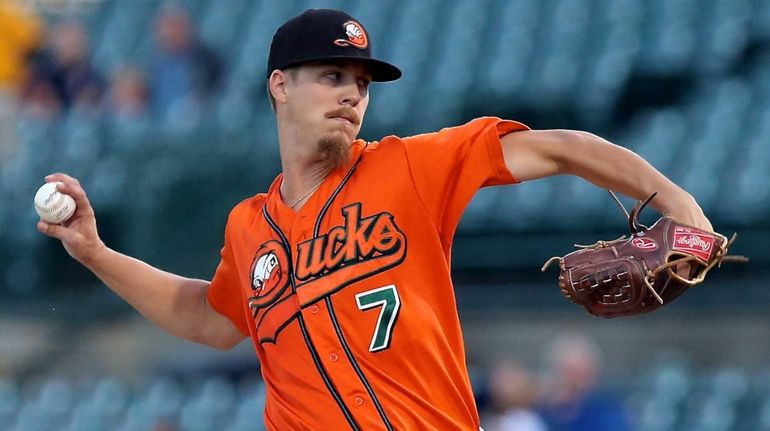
(302, 173)
(296, 189)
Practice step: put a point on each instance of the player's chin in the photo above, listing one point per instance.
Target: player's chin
(335, 148)
(343, 136)
(347, 129)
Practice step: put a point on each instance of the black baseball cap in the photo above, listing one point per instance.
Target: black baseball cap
(325, 34)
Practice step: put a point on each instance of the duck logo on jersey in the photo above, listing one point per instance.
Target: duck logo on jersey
(356, 36)
(269, 275)
(263, 269)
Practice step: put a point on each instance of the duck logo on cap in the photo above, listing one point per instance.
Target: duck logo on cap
(356, 36)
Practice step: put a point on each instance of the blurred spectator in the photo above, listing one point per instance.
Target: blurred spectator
(572, 398)
(20, 35)
(128, 100)
(184, 72)
(129, 116)
(40, 101)
(513, 392)
(65, 68)
(75, 79)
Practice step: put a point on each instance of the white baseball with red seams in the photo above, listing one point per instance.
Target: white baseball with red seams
(53, 206)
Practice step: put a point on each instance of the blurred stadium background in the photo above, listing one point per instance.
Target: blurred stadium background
(685, 83)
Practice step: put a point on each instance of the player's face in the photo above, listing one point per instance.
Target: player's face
(327, 102)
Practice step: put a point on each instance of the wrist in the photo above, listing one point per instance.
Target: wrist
(97, 254)
(675, 203)
(686, 210)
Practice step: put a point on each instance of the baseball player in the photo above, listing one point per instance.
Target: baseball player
(340, 273)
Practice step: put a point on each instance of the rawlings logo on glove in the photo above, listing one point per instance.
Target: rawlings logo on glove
(640, 273)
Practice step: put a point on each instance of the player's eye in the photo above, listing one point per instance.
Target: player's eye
(334, 76)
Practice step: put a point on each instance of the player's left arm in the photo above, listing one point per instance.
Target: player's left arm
(534, 154)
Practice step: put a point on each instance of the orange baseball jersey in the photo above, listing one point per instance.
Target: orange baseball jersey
(349, 301)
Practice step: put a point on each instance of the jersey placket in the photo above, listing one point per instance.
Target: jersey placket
(322, 332)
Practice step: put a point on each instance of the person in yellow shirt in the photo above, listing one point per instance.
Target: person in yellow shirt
(21, 32)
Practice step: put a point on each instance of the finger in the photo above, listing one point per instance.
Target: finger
(56, 231)
(78, 195)
(70, 186)
(61, 177)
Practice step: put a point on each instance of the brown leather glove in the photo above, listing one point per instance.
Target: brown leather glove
(638, 274)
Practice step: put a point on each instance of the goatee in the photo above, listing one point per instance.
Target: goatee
(334, 150)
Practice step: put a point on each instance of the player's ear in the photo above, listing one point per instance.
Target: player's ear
(277, 85)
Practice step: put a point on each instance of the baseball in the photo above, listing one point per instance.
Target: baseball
(52, 206)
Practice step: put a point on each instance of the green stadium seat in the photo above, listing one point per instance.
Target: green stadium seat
(9, 402)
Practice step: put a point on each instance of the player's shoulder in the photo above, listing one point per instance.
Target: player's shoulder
(247, 209)
(476, 123)
(468, 129)
(385, 147)
(482, 124)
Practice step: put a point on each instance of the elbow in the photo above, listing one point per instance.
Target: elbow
(219, 340)
(219, 343)
(228, 342)
(566, 146)
(574, 149)
(223, 346)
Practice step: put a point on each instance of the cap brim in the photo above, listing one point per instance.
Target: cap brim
(381, 71)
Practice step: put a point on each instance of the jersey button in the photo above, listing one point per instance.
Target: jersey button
(359, 401)
(333, 357)
(314, 309)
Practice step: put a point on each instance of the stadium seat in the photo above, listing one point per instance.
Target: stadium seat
(760, 20)
(709, 414)
(126, 34)
(522, 206)
(511, 45)
(722, 35)
(235, 111)
(49, 407)
(9, 401)
(221, 26)
(211, 407)
(658, 416)
(250, 66)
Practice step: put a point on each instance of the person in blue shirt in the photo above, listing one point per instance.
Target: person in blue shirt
(573, 398)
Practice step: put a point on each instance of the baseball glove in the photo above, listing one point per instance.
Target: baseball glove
(637, 274)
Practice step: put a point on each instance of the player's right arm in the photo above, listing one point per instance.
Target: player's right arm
(176, 304)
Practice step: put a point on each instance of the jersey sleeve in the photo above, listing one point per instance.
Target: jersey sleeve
(224, 293)
(450, 165)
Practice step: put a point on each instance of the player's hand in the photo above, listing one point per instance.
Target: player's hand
(690, 213)
(78, 234)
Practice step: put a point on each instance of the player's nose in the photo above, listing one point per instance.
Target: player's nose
(351, 95)
(350, 100)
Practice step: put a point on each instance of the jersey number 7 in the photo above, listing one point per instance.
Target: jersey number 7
(386, 297)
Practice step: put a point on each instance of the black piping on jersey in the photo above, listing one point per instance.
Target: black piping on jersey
(336, 192)
(311, 348)
(280, 328)
(355, 365)
(277, 299)
(330, 307)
